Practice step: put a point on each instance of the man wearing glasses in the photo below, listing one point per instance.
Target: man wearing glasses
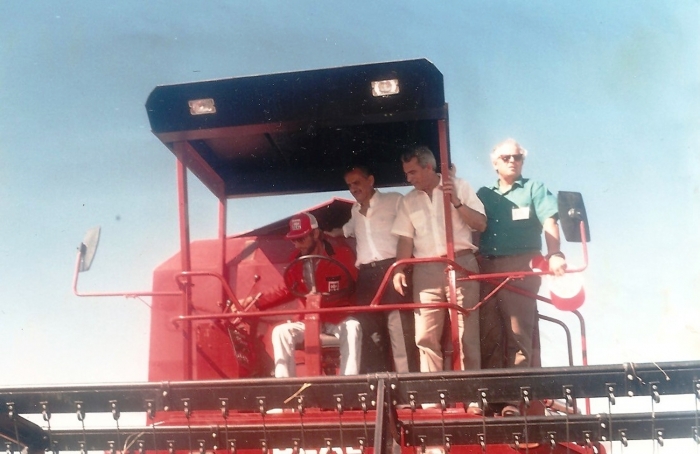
(518, 210)
(330, 278)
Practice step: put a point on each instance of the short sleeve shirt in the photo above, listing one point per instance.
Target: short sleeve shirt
(515, 217)
(372, 231)
(422, 218)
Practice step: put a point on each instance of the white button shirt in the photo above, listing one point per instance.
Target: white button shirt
(423, 219)
(372, 231)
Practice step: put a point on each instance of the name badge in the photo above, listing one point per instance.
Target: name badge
(520, 214)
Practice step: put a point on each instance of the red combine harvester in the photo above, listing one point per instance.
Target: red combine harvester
(210, 387)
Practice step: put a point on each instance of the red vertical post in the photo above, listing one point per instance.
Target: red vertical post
(445, 170)
(449, 239)
(185, 258)
(222, 243)
(312, 340)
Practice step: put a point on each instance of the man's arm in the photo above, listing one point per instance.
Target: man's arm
(335, 233)
(404, 250)
(473, 218)
(270, 298)
(557, 262)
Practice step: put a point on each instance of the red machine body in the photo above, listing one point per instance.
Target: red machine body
(209, 385)
(255, 261)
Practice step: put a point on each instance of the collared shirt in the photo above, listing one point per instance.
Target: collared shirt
(372, 231)
(515, 217)
(423, 219)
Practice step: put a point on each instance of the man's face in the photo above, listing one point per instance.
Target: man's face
(418, 176)
(306, 245)
(360, 186)
(509, 161)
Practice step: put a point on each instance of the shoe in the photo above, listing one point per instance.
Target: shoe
(510, 410)
(526, 446)
(474, 410)
(274, 411)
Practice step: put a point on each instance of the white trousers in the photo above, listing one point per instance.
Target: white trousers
(286, 336)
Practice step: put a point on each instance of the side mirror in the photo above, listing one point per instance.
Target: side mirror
(88, 248)
(571, 213)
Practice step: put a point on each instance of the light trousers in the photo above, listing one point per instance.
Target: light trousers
(430, 286)
(287, 336)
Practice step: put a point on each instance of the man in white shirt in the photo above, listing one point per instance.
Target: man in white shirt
(420, 224)
(372, 219)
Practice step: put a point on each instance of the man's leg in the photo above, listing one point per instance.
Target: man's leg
(285, 337)
(401, 325)
(374, 333)
(350, 332)
(520, 314)
(511, 318)
(468, 297)
(427, 281)
(491, 329)
(375, 352)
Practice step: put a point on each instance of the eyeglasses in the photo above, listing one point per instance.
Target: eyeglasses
(508, 157)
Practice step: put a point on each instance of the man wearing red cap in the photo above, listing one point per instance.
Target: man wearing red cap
(330, 278)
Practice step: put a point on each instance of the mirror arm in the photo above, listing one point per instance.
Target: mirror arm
(78, 262)
(584, 249)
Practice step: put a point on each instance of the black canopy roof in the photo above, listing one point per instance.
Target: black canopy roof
(297, 132)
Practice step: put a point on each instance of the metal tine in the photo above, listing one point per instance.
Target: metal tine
(116, 415)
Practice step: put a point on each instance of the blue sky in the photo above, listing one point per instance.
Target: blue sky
(603, 94)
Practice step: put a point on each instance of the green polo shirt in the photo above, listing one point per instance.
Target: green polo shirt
(515, 217)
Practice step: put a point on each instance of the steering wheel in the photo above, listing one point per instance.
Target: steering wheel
(310, 264)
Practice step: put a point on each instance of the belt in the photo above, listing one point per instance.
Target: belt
(377, 263)
(462, 252)
(496, 257)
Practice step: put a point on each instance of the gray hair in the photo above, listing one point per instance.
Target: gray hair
(423, 154)
(513, 142)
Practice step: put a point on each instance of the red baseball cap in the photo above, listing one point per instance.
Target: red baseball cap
(300, 225)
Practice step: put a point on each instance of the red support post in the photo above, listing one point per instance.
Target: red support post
(222, 242)
(312, 336)
(449, 238)
(185, 258)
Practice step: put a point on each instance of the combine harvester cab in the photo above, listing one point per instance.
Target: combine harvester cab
(210, 387)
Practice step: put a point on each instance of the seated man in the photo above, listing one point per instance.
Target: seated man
(330, 278)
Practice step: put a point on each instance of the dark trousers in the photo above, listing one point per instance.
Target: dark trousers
(384, 331)
(508, 320)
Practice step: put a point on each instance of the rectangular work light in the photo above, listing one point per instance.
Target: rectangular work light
(387, 87)
(202, 106)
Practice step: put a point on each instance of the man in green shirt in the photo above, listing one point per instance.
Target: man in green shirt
(517, 211)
